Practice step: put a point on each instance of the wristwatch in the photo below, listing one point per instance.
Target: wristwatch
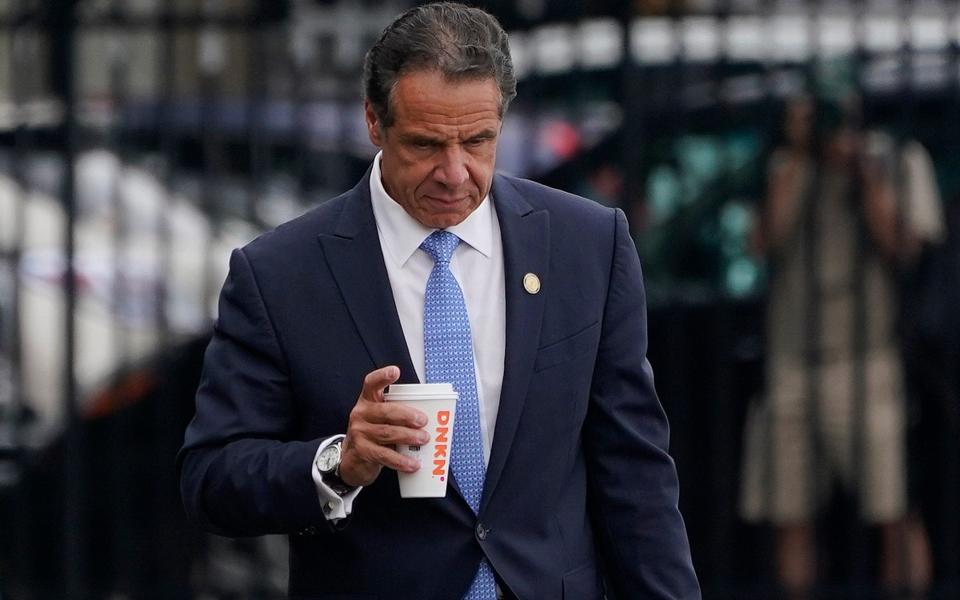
(328, 463)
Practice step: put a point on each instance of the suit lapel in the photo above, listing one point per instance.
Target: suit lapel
(526, 242)
(356, 261)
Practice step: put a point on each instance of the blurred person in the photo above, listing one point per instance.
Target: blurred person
(930, 329)
(835, 404)
(562, 485)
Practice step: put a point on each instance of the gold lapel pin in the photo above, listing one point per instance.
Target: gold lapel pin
(531, 283)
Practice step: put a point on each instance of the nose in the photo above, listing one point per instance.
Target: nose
(452, 170)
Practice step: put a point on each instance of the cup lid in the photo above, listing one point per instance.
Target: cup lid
(420, 390)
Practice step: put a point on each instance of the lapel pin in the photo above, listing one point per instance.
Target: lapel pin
(531, 283)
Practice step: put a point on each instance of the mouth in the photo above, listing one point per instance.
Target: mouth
(447, 201)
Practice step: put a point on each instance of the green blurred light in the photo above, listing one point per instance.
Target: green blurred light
(742, 277)
(663, 193)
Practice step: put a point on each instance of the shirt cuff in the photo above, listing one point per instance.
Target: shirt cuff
(335, 506)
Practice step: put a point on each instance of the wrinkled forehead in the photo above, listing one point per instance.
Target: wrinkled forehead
(450, 82)
(429, 99)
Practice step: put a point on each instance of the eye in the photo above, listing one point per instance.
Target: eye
(421, 144)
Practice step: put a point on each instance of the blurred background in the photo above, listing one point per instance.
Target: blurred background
(791, 171)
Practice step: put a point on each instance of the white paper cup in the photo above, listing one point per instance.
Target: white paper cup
(439, 402)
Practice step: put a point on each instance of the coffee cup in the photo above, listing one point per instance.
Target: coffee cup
(438, 401)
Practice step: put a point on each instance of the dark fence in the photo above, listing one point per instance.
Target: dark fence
(141, 141)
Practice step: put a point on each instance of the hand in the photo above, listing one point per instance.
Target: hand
(375, 427)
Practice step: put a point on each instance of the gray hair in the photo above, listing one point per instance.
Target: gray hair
(460, 42)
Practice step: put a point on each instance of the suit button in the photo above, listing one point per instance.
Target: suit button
(482, 532)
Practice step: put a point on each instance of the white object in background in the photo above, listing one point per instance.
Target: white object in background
(701, 39)
(600, 43)
(928, 32)
(836, 35)
(653, 41)
(789, 38)
(882, 33)
(745, 40)
(554, 48)
(118, 286)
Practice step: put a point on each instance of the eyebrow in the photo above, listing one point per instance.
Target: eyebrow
(486, 134)
(419, 138)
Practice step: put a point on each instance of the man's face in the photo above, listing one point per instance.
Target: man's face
(439, 153)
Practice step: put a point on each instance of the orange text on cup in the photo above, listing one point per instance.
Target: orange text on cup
(442, 443)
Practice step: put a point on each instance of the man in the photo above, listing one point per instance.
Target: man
(562, 485)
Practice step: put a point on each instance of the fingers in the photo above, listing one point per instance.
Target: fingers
(375, 427)
(388, 435)
(377, 456)
(384, 422)
(375, 382)
(371, 408)
(388, 413)
(366, 451)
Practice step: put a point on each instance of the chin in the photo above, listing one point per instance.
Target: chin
(441, 219)
(442, 222)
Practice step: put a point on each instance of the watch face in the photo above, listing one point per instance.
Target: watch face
(329, 458)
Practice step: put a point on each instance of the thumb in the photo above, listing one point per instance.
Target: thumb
(375, 382)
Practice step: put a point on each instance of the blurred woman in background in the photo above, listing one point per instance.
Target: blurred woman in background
(834, 410)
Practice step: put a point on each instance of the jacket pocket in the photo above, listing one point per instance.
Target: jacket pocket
(568, 348)
(582, 584)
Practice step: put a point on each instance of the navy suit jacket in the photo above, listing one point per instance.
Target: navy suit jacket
(580, 493)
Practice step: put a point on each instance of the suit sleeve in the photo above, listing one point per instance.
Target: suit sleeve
(633, 482)
(241, 473)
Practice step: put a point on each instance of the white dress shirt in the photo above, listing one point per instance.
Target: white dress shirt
(477, 264)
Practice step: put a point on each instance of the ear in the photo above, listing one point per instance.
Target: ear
(373, 124)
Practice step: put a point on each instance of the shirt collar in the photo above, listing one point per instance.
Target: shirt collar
(401, 234)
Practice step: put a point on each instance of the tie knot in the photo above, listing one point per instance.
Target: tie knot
(440, 245)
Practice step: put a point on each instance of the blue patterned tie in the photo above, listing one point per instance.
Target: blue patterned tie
(448, 354)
